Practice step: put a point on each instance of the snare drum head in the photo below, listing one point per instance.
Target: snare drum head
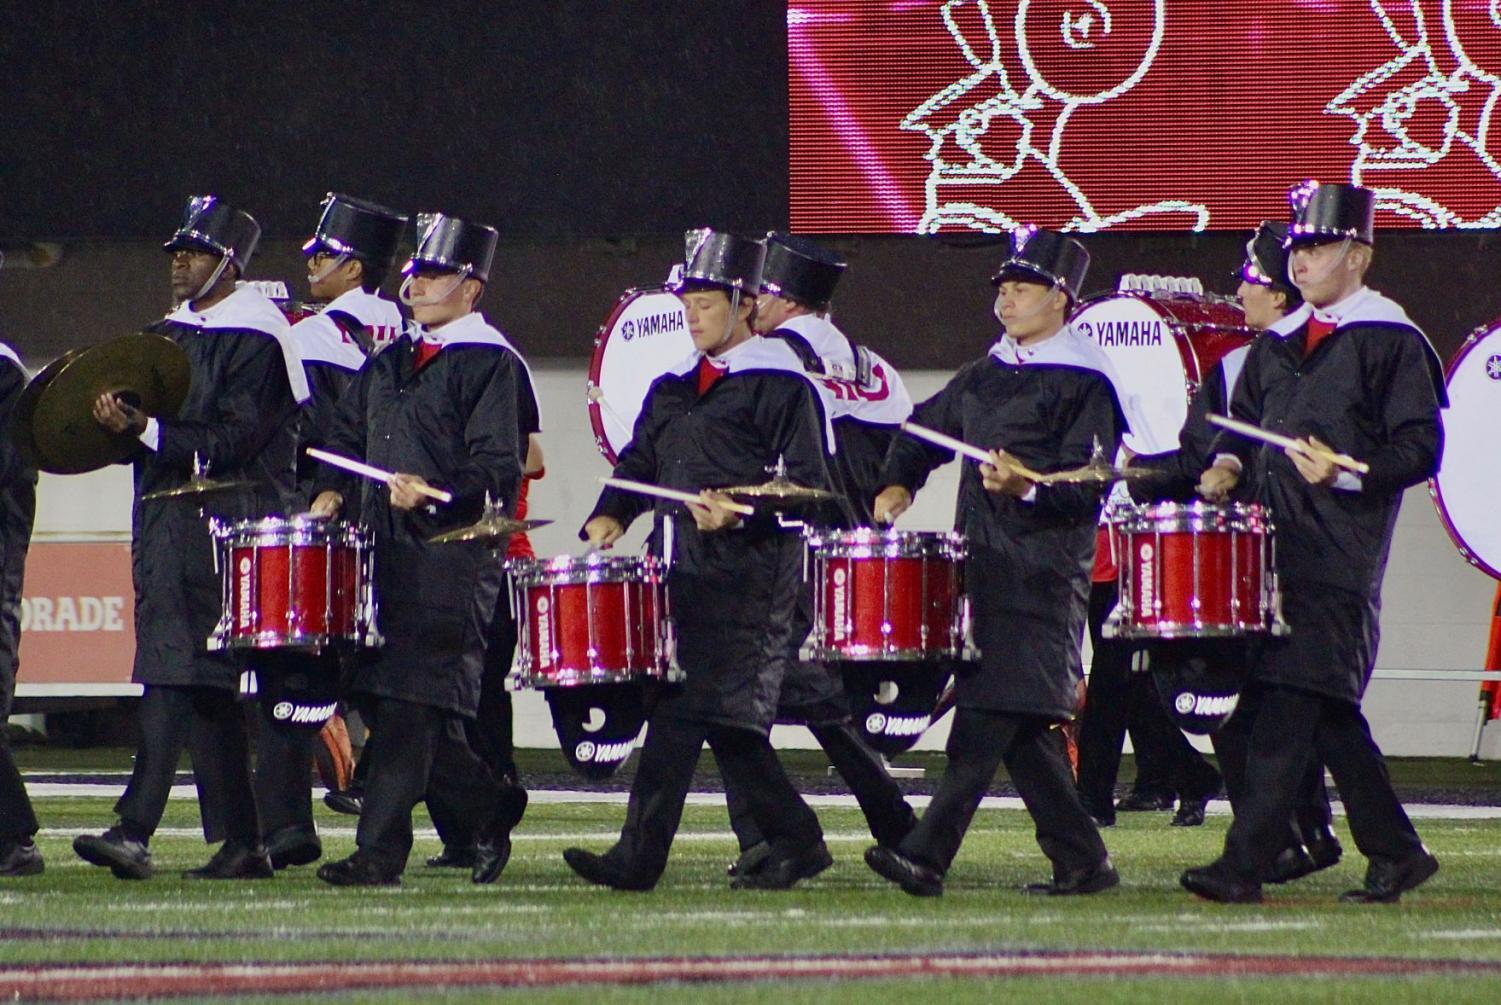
(1159, 345)
(644, 336)
(1468, 482)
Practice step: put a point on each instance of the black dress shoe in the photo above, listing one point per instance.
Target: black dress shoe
(493, 848)
(1324, 848)
(750, 860)
(453, 857)
(346, 801)
(294, 845)
(235, 861)
(357, 870)
(600, 871)
(1214, 882)
(1291, 863)
(125, 857)
(914, 878)
(1386, 881)
(1139, 802)
(1101, 811)
(1078, 882)
(781, 872)
(20, 858)
(1190, 813)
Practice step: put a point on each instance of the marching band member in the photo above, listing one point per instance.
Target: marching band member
(797, 286)
(724, 417)
(1347, 371)
(238, 418)
(348, 258)
(18, 824)
(439, 409)
(1041, 398)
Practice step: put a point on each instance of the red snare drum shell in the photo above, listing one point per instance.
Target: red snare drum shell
(602, 630)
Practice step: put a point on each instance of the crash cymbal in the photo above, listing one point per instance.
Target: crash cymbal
(490, 528)
(780, 490)
(149, 372)
(197, 487)
(21, 422)
(1100, 474)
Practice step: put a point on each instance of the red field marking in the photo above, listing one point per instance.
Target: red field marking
(80, 983)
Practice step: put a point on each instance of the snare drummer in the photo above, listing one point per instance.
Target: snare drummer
(439, 408)
(238, 418)
(1350, 370)
(723, 417)
(1040, 398)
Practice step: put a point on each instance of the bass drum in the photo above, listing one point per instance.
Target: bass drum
(1468, 482)
(1161, 345)
(645, 335)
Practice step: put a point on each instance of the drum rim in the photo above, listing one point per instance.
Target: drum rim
(597, 361)
(562, 570)
(1173, 517)
(1435, 484)
(871, 542)
(274, 530)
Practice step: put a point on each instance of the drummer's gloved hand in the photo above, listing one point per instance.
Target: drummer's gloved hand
(711, 514)
(1217, 481)
(892, 502)
(1316, 469)
(603, 531)
(1001, 478)
(117, 416)
(327, 505)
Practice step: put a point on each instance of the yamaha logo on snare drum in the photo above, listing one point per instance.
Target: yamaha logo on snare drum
(245, 614)
(838, 603)
(880, 724)
(602, 753)
(1146, 579)
(544, 634)
(652, 324)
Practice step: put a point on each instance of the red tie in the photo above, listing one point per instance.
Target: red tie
(425, 353)
(1317, 332)
(708, 374)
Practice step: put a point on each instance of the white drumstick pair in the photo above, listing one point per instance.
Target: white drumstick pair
(642, 488)
(374, 473)
(1287, 442)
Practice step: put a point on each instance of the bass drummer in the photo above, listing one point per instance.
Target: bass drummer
(439, 409)
(797, 286)
(1040, 398)
(724, 416)
(1348, 371)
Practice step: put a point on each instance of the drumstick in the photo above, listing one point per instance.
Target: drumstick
(1278, 440)
(643, 488)
(973, 453)
(377, 474)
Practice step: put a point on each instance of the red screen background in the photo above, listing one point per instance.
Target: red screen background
(923, 115)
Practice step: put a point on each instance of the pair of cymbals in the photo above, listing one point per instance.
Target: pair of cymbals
(491, 529)
(54, 425)
(780, 490)
(197, 486)
(1100, 474)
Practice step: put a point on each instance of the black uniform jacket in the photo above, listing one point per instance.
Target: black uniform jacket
(239, 418)
(454, 423)
(1028, 565)
(1181, 469)
(1371, 389)
(17, 508)
(733, 593)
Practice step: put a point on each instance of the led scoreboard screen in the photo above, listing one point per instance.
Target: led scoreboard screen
(919, 116)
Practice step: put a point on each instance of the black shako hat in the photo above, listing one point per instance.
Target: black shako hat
(1046, 256)
(1266, 256)
(448, 244)
(715, 258)
(209, 225)
(800, 270)
(1320, 213)
(357, 228)
(1199, 684)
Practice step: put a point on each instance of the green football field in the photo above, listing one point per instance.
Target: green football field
(845, 936)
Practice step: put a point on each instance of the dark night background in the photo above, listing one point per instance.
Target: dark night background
(590, 134)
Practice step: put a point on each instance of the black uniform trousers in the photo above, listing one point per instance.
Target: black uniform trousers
(1311, 811)
(665, 773)
(1289, 730)
(421, 752)
(490, 733)
(1118, 699)
(17, 819)
(1034, 753)
(210, 722)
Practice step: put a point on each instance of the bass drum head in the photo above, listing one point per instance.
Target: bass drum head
(644, 336)
(1160, 346)
(1468, 483)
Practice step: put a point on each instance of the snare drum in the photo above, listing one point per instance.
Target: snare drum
(294, 584)
(887, 595)
(593, 620)
(1194, 572)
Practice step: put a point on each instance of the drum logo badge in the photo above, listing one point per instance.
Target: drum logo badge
(1493, 367)
(1184, 703)
(245, 612)
(282, 711)
(839, 604)
(601, 753)
(1147, 579)
(544, 637)
(875, 724)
